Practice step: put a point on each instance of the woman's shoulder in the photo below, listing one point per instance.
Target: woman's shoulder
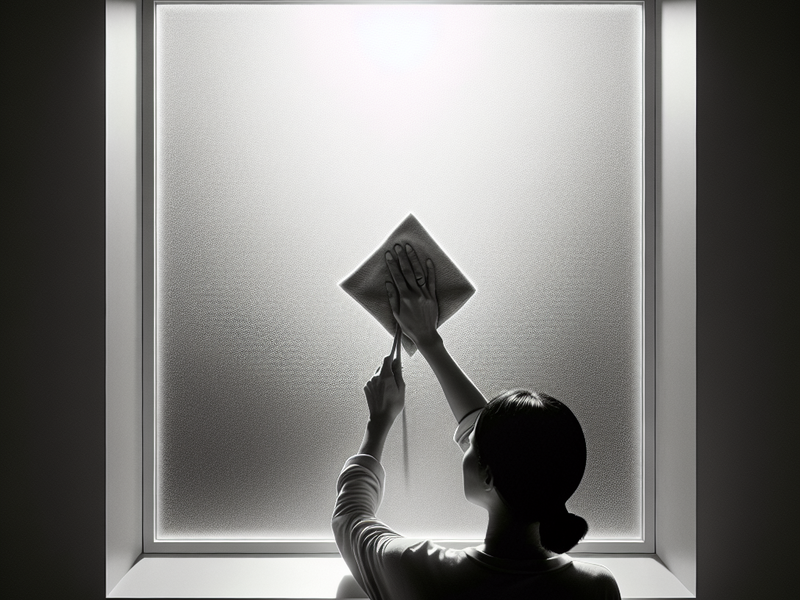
(428, 570)
(592, 576)
(592, 570)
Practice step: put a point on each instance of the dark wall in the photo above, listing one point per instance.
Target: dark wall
(747, 299)
(54, 275)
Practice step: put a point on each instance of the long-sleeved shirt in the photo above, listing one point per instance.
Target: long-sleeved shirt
(391, 567)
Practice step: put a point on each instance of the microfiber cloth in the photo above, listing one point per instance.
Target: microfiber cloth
(367, 284)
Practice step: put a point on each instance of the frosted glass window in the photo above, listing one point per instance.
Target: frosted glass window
(290, 140)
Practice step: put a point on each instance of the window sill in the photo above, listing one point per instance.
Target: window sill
(321, 577)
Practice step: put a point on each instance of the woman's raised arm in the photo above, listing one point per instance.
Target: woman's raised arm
(412, 296)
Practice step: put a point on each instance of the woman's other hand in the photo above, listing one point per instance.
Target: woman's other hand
(386, 390)
(412, 296)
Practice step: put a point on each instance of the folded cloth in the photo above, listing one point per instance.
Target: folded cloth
(367, 284)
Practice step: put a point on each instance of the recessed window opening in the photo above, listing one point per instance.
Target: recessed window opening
(288, 140)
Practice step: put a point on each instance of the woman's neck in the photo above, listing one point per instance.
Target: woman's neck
(507, 537)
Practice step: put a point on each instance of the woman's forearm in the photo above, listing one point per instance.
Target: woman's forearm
(462, 395)
(374, 439)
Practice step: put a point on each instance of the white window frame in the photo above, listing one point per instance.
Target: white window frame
(645, 544)
(130, 254)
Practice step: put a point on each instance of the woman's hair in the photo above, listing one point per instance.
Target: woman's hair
(535, 449)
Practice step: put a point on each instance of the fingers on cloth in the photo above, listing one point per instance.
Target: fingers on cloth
(431, 278)
(396, 273)
(416, 266)
(405, 267)
(386, 367)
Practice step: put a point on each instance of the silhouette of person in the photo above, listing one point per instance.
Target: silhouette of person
(525, 455)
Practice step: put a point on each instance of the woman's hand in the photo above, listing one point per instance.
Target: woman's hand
(386, 390)
(412, 296)
(415, 308)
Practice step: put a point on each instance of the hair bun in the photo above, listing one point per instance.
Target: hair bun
(559, 533)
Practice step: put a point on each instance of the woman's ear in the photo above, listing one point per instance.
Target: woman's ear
(487, 479)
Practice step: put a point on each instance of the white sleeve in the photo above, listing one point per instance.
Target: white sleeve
(360, 536)
(465, 427)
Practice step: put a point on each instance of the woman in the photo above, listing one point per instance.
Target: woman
(524, 457)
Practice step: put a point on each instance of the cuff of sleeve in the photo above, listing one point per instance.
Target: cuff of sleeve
(370, 463)
(465, 427)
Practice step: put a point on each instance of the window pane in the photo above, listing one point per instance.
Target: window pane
(291, 139)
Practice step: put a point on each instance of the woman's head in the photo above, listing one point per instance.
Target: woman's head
(534, 449)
